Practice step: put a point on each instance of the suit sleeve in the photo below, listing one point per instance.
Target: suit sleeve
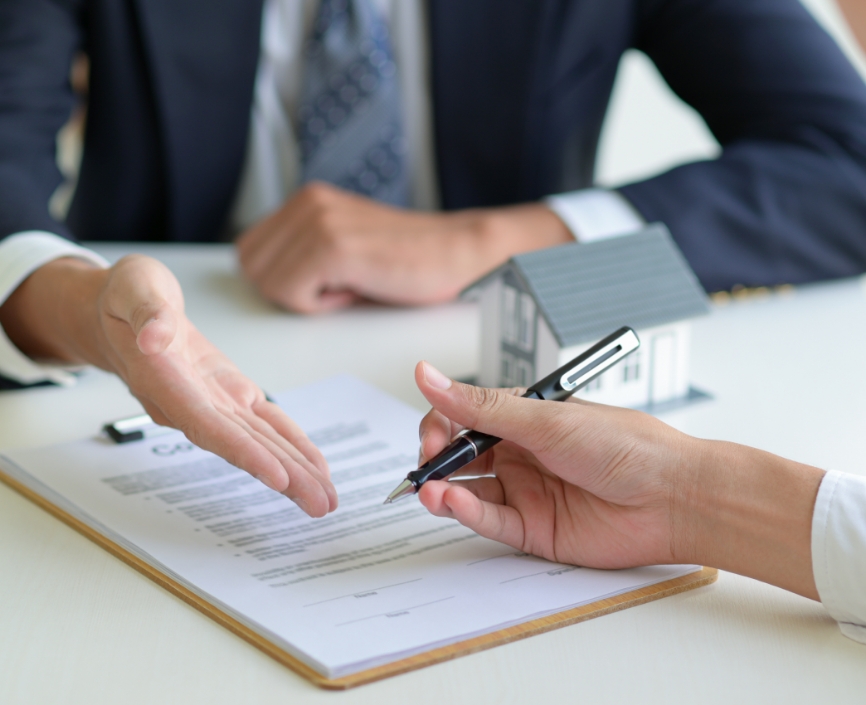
(38, 39)
(786, 200)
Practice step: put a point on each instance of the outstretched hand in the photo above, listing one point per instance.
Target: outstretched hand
(183, 381)
(130, 320)
(572, 482)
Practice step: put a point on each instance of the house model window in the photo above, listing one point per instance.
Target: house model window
(631, 367)
(543, 308)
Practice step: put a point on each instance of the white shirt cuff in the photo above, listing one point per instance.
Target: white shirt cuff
(596, 213)
(839, 550)
(21, 255)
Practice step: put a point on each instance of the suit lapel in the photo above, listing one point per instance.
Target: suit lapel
(203, 56)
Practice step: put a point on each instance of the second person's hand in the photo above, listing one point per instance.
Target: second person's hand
(574, 482)
(604, 487)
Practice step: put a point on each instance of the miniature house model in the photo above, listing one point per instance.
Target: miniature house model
(541, 309)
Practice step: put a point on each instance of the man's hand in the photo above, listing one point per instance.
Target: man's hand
(327, 248)
(130, 320)
(604, 487)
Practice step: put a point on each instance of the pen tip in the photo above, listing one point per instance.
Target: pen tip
(404, 489)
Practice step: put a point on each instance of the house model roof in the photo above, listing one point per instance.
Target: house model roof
(584, 291)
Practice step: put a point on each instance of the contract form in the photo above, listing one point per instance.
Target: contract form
(367, 585)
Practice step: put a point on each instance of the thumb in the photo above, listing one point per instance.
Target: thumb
(146, 296)
(159, 327)
(497, 412)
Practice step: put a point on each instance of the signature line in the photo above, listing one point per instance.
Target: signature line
(531, 575)
(384, 614)
(361, 592)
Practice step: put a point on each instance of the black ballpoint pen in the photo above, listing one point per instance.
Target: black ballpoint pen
(557, 386)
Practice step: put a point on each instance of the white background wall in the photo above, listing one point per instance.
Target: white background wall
(649, 129)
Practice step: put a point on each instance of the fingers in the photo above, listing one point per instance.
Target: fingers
(250, 446)
(477, 505)
(497, 412)
(213, 431)
(435, 433)
(298, 454)
(294, 256)
(307, 486)
(258, 246)
(290, 431)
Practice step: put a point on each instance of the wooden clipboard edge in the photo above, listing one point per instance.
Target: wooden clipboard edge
(445, 653)
(705, 576)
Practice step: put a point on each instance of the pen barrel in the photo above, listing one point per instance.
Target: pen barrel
(482, 441)
(458, 454)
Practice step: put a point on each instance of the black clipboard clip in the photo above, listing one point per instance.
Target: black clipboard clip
(135, 428)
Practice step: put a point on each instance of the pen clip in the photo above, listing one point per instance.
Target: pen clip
(600, 360)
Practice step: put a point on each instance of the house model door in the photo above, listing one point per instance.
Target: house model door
(663, 366)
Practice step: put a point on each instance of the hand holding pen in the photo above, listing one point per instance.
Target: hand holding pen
(604, 487)
(574, 482)
(557, 386)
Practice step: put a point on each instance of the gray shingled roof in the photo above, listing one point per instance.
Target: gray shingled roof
(585, 291)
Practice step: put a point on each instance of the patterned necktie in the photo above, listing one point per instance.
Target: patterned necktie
(349, 119)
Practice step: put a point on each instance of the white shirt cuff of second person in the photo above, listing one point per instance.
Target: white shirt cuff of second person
(596, 213)
(22, 254)
(839, 550)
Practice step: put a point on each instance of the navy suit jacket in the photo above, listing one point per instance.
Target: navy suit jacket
(520, 89)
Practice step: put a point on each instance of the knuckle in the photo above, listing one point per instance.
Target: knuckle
(553, 426)
(333, 239)
(327, 225)
(483, 401)
(317, 192)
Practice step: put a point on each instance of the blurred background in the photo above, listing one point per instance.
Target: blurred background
(647, 130)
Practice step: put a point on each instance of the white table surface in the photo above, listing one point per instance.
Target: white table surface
(788, 375)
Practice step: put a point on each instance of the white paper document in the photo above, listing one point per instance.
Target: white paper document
(366, 585)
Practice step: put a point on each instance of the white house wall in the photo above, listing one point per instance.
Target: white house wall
(669, 361)
(610, 388)
(615, 390)
(490, 301)
(546, 350)
(684, 349)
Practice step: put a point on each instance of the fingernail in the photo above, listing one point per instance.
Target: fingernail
(435, 377)
(267, 482)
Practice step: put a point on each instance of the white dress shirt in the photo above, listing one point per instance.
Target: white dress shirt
(839, 551)
(21, 254)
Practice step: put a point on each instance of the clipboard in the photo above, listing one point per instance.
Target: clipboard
(705, 576)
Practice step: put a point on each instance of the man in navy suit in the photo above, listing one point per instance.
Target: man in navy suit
(210, 121)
